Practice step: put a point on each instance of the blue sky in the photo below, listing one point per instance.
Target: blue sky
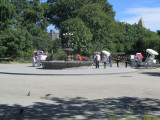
(130, 11)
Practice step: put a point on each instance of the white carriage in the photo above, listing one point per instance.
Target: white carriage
(149, 62)
(38, 57)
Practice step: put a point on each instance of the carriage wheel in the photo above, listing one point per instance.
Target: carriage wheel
(149, 64)
(33, 63)
(132, 64)
(135, 65)
(156, 64)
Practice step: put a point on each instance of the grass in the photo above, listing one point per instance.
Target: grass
(23, 61)
(5, 62)
(16, 61)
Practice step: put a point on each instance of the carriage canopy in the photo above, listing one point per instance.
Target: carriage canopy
(152, 52)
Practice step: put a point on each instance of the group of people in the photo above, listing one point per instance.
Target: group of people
(106, 59)
(120, 58)
(97, 59)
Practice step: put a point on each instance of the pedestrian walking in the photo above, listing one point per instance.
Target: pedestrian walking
(118, 60)
(126, 61)
(72, 57)
(97, 59)
(104, 59)
(110, 60)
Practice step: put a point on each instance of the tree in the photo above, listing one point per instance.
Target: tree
(60, 11)
(151, 41)
(81, 36)
(41, 42)
(97, 15)
(31, 24)
(55, 45)
(23, 26)
(30, 14)
(6, 30)
(6, 15)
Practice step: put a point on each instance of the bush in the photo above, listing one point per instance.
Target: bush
(59, 55)
(24, 61)
(5, 62)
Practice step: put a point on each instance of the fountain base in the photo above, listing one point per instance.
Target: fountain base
(65, 64)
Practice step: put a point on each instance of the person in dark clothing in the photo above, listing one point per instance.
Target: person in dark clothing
(117, 60)
(110, 60)
(126, 61)
(97, 59)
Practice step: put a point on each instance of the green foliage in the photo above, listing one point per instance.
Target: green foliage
(14, 42)
(98, 21)
(5, 62)
(6, 15)
(96, 17)
(23, 28)
(151, 40)
(42, 42)
(59, 55)
(81, 36)
(23, 61)
(55, 45)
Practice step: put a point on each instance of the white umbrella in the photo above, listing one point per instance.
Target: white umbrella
(106, 52)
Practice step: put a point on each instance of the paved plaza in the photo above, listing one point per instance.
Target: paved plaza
(77, 94)
(27, 69)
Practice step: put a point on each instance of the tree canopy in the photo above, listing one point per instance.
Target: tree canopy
(23, 28)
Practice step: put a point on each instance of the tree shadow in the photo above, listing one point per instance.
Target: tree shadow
(70, 108)
(152, 73)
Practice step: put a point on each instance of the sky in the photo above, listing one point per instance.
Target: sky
(130, 11)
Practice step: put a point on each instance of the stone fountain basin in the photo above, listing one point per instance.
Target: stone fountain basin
(65, 64)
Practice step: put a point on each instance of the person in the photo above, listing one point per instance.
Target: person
(46, 52)
(97, 59)
(65, 57)
(79, 58)
(110, 60)
(72, 57)
(126, 61)
(94, 55)
(117, 60)
(104, 60)
(51, 56)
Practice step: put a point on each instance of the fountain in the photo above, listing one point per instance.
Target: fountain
(68, 46)
(68, 63)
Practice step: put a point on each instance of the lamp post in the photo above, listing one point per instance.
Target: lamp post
(68, 46)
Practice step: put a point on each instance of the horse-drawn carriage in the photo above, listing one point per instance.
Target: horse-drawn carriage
(149, 62)
(38, 57)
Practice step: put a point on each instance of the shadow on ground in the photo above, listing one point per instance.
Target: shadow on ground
(152, 73)
(81, 108)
